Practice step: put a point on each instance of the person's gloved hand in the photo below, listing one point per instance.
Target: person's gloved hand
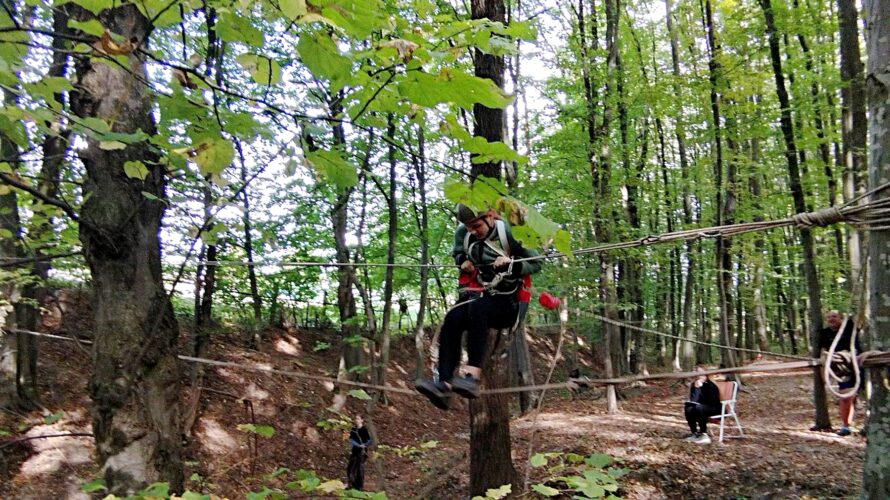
(501, 261)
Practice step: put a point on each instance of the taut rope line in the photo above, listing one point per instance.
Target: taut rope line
(873, 215)
(869, 358)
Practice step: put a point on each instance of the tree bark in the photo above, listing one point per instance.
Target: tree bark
(256, 300)
(490, 457)
(488, 123)
(383, 340)
(875, 473)
(722, 255)
(135, 381)
(421, 218)
(854, 135)
(806, 238)
(352, 354)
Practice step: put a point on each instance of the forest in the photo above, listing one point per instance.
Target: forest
(227, 227)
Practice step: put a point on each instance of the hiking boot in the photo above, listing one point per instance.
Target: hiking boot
(467, 387)
(703, 439)
(437, 392)
(843, 431)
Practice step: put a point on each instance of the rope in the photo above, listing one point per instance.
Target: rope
(295, 263)
(874, 215)
(871, 358)
(701, 342)
(249, 367)
(563, 320)
(842, 362)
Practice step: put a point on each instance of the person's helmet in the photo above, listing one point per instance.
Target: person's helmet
(466, 214)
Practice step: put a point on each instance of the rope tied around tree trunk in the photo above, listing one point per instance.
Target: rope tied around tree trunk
(820, 218)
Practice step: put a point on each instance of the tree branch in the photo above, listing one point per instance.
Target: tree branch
(68, 209)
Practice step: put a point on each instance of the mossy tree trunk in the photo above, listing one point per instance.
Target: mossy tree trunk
(135, 383)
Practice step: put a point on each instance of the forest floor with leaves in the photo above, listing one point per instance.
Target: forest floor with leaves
(425, 450)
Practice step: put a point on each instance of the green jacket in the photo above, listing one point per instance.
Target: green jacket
(482, 255)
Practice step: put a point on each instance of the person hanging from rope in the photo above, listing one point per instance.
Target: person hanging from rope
(492, 287)
(834, 321)
(359, 441)
(703, 403)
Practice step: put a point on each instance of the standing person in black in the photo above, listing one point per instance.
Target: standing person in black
(359, 441)
(703, 403)
(833, 322)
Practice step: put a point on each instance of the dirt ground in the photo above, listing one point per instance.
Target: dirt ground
(426, 450)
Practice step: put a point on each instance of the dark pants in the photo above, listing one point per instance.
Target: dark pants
(474, 317)
(698, 415)
(355, 469)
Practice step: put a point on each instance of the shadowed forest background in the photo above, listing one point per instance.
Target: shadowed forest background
(273, 184)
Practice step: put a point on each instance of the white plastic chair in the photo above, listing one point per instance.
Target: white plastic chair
(729, 391)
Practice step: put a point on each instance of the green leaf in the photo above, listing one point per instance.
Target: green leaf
(547, 491)
(213, 155)
(135, 170)
(158, 490)
(112, 145)
(357, 17)
(293, 9)
(562, 243)
(538, 460)
(332, 166)
(266, 431)
(152, 197)
(456, 190)
(234, 28)
(264, 494)
(359, 394)
(93, 486)
(574, 458)
(90, 26)
(426, 445)
(53, 418)
(319, 53)
(262, 69)
(451, 86)
(94, 6)
(95, 124)
(161, 13)
(599, 460)
(498, 493)
(190, 495)
(331, 486)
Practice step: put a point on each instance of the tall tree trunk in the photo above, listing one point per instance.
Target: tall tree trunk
(875, 473)
(722, 254)
(18, 351)
(256, 300)
(392, 234)
(687, 349)
(491, 465)
(854, 135)
(824, 149)
(806, 238)
(352, 354)
(759, 312)
(364, 290)
(135, 381)
(488, 123)
(10, 293)
(421, 218)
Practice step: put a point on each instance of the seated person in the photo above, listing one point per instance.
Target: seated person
(703, 403)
